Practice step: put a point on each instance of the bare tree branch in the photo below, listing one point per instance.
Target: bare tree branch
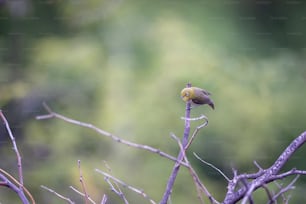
(15, 148)
(180, 157)
(240, 188)
(138, 191)
(285, 189)
(105, 133)
(57, 194)
(199, 185)
(212, 166)
(7, 183)
(264, 176)
(104, 199)
(3, 175)
(86, 196)
(198, 128)
(116, 190)
(82, 194)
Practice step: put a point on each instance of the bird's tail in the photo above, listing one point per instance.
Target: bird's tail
(211, 104)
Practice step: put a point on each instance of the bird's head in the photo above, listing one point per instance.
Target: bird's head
(187, 94)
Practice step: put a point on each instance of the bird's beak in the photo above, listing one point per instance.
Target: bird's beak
(184, 97)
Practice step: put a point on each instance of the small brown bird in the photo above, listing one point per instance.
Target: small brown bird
(197, 96)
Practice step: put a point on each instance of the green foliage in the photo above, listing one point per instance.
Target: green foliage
(120, 65)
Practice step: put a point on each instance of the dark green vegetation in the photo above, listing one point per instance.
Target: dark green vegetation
(122, 64)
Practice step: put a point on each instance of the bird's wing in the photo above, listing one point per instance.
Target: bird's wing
(202, 90)
(206, 92)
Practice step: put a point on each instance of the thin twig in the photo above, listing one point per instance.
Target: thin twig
(285, 189)
(264, 186)
(82, 194)
(57, 194)
(119, 191)
(257, 165)
(116, 190)
(7, 183)
(286, 174)
(19, 164)
(246, 185)
(199, 185)
(138, 191)
(104, 199)
(20, 184)
(197, 129)
(269, 194)
(16, 182)
(212, 166)
(86, 196)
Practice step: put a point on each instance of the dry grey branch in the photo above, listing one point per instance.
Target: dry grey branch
(15, 148)
(180, 157)
(82, 194)
(240, 188)
(18, 186)
(201, 188)
(136, 190)
(197, 129)
(105, 133)
(263, 176)
(285, 189)
(86, 196)
(116, 190)
(104, 199)
(7, 183)
(58, 195)
(212, 166)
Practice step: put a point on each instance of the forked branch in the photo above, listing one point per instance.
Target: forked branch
(264, 176)
(8, 180)
(240, 188)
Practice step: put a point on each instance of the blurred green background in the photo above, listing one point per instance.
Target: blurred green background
(120, 65)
